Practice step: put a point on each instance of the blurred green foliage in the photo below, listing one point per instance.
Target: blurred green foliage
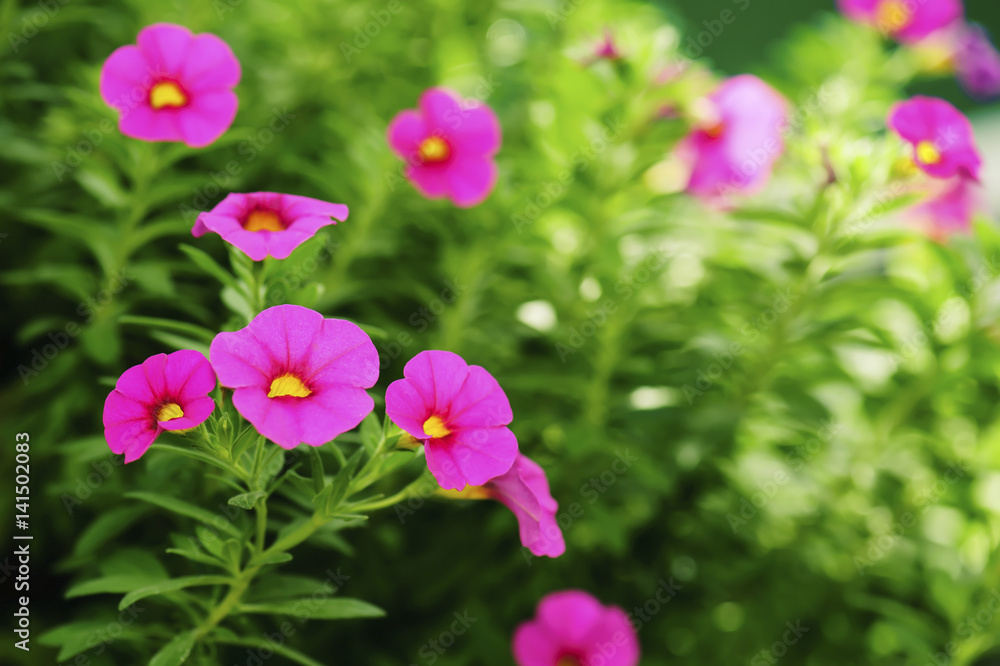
(808, 386)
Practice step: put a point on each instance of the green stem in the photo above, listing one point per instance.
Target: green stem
(412, 490)
(319, 476)
(261, 523)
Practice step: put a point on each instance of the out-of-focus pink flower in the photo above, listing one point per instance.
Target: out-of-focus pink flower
(949, 209)
(172, 86)
(572, 628)
(460, 413)
(298, 377)
(977, 62)
(449, 145)
(606, 49)
(524, 489)
(941, 136)
(736, 139)
(165, 392)
(905, 20)
(265, 224)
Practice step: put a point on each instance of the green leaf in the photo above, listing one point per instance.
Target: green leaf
(175, 652)
(107, 526)
(203, 261)
(102, 187)
(247, 500)
(340, 608)
(284, 651)
(196, 556)
(285, 586)
(73, 638)
(194, 453)
(371, 432)
(119, 584)
(273, 558)
(216, 521)
(342, 482)
(179, 341)
(171, 585)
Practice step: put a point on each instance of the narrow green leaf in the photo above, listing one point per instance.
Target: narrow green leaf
(198, 332)
(274, 558)
(216, 521)
(196, 556)
(342, 482)
(193, 453)
(209, 265)
(247, 500)
(284, 651)
(107, 526)
(171, 585)
(175, 652)
(339, 608)
(119, 584)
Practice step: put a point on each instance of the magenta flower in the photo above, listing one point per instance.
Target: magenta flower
(265, 224)
(172, 86)
(448, 145)
(460, 413)
(298, 377)
(941, 136)
(737, 138)
(607, 49)
(524, 490)
(905, 20)
(572, 628)
(165, 392)
(977, 63)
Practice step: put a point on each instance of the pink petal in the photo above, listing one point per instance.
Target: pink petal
(477, 132)
(570, 616)
(143, 122)
(133, 384)
(120, 408)
(480, 402)
(471, 456)
(613, 640)
(125, 80)
(406, 132)
(431, 180)
(533, 646)
(209, 65)
(189, 375)
(296, 207)
(441, 110)
(132, 438)
(277, 419)
(331, 411)
(406, 407)
(165, 46)
(438, 376)
(207, 117)
(525, 491)
(281, 244)
(471, 180)
(196, 411)
(343, 355)
(240, 360)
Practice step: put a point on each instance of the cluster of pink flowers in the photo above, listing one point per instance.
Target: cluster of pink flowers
(936, 22)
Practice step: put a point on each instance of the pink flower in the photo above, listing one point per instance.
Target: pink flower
(607, 49)
(737, 138)
(977, 63)
(524, 490)
(950, 209)
(460, 413)
(298, 377)
(173, 86)
(165, 392)
(448, 145)
(572, 628)
(941, 136)
(265, 224)
(905, 20)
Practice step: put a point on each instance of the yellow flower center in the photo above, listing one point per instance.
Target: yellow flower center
(169, 411)
(288, 385)
(263, 220)
(435, 427)
(467, 493)
(892, 16)
(434, 149)
(167, 93)
(928, 153)
(707, 117)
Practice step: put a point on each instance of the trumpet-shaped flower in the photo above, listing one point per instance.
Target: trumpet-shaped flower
(572, 628)
(448, 145)
(165, 392)
(904, 20)
(265, 224)
(524, 489)
(736, 139)
(941, 136)
(172, 86)
(296, 376)
(460, 413)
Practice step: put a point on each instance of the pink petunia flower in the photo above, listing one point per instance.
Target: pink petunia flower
(977, 63)
(265, 224)
(460, 413)
(448, 145)
(524, 489)
(165, 392)
(572, 628)
(905, 20)
(298, 377)
(172, 86)
(607, 49)
(738, 136)
(941, 136)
